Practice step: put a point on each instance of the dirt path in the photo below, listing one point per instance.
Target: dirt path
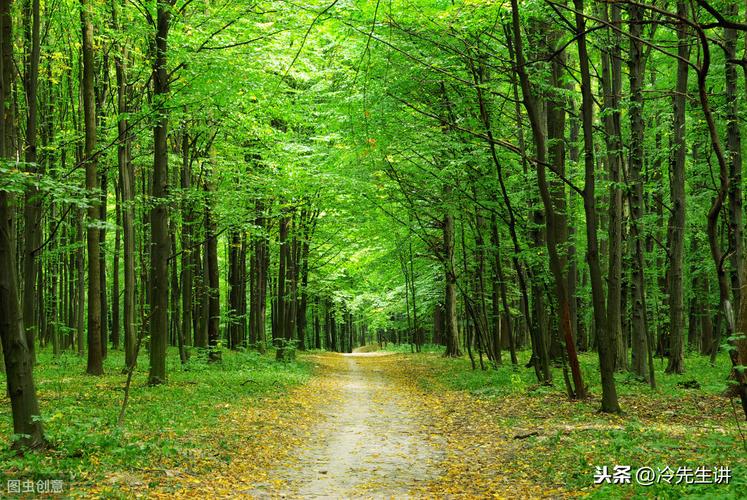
(363, 427)
(369, 440)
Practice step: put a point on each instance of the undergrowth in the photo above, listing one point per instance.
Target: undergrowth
(678, 424)
(80, 412)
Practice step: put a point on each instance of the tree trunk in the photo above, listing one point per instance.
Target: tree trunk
(95, 359)
(611, 87)
(604, 346)
(16, 356)
(640, 340)
(80, 268)
(452, 329)
(188, 254)
(738, 350)
(243, 316)
(677, 222)
(734, 153)
(102, 265)
(127, 190)
(499, 282)
(234, 289)
(317, 325)
(551, 237)
(213, 283)
(115, 267)
(33, 203)
(301, 321)
(706, 340)
(280, 307)
(258, 280)
(202, 291)
(159, 213)
(292, 280)
(175, 310)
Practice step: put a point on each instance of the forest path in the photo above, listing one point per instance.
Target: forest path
(364, 426)
(369, 440)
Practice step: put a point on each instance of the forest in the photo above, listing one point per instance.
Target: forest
(366, 248)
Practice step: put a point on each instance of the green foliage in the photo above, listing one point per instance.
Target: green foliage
(285, 350)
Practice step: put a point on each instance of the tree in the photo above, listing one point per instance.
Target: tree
(641, 348)
(159, 214)
(27, 424)
(604, 344)
(95, 361)
(127, 193)
(33, 204)
(677, 221)
(551, 221)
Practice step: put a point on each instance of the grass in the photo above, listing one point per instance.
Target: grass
(561, 441)
(669, 426)
(162, 423)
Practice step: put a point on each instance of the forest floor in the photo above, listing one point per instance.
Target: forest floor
(378, 425)
(363, 427)
(404, 425)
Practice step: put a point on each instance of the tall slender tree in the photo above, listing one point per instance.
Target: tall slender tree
(32, 306)
(159, 214)
(604, 345)
(677, 220)
(95, 358)
(27, 424)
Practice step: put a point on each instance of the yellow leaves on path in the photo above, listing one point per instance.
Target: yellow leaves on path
(237, 455)
(362, 427)
(381, 426)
